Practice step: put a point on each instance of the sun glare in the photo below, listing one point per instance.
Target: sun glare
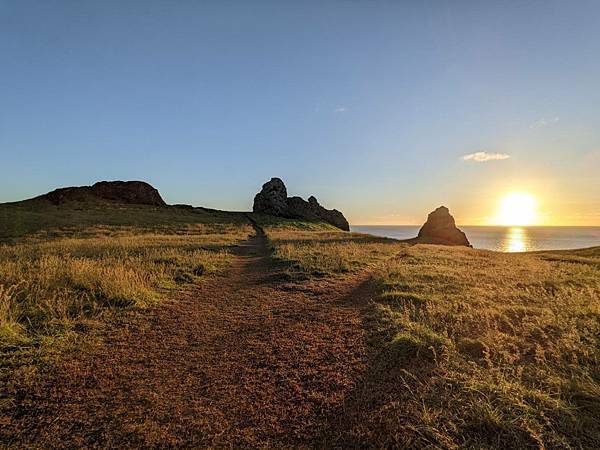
(517, 209)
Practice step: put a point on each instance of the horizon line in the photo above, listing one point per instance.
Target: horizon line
(472, 225)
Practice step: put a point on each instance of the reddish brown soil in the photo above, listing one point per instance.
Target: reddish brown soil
(246, 359)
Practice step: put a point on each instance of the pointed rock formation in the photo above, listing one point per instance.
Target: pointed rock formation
(440, 228)
(273, 200)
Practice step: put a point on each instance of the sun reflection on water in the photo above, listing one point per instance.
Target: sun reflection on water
(516, 240)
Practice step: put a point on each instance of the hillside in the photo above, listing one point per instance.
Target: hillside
(27, 218)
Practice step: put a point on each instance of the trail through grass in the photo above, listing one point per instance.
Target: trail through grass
(49, 285)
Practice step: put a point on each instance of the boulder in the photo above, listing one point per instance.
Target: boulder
(125, 192)
(440, 228)
(272, 199)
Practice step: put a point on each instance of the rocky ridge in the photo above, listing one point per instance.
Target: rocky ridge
(273, 200)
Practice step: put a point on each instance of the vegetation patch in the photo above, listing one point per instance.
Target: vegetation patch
(323, 253)
(62, 283)
(488, 350)
(49, 284)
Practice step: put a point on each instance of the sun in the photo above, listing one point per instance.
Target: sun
(517, 209)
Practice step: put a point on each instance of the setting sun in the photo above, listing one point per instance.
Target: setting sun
(517, 208)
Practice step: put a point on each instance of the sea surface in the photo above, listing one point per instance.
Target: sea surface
(504, 239)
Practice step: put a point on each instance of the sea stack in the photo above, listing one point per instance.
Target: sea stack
(273, 200)
(440, 228)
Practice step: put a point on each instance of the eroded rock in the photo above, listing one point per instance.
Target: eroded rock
(440, 228)
(299, 207)
(273, 200)
(126, 192)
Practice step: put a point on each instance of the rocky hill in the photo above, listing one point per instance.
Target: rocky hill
(273, 200)
(124, 192)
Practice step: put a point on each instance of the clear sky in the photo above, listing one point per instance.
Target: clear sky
(369, 105)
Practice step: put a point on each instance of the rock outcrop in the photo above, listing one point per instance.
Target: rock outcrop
(311, 209)
(273, 200)
(440, 228)
(125, 192)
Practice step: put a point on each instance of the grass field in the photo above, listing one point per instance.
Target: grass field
(69, 277)
(479, 349)
(49, 285)
(34, 216)
(327, 252)
(468, 348)
(471, 348)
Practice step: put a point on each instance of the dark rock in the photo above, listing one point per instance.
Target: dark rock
(126, 192)
(440, 228)
(301, 209)
(312, 210)
(273, 200)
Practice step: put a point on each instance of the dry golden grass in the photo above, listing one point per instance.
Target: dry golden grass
(468, 348)
(49, 285)
(322, 253)
(489, 350)
(471, 348)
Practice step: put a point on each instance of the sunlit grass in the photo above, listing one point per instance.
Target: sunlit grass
(322, 253)
(470, 348)
(505, 348)
(48, 285)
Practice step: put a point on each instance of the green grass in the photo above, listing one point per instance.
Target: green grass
(470, 348)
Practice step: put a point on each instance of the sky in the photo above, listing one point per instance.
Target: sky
(381, 109)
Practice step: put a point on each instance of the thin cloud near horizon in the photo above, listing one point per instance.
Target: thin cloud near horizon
(485, 156)
(543, 122)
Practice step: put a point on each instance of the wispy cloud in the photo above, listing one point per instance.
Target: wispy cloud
(340, 109)
(485, 156)
(545, 122)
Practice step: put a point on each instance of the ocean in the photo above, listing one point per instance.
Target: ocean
(503, 239)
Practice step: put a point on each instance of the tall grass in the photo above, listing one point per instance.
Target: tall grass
(48, 285)
(497, 350)
(322, 253)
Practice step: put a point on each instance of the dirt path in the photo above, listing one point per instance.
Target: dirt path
(245, 359)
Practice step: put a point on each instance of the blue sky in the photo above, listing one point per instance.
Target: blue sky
(370, 106)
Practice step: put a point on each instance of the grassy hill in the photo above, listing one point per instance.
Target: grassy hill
(25, 218)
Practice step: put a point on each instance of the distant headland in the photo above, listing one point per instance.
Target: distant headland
(440, 227)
